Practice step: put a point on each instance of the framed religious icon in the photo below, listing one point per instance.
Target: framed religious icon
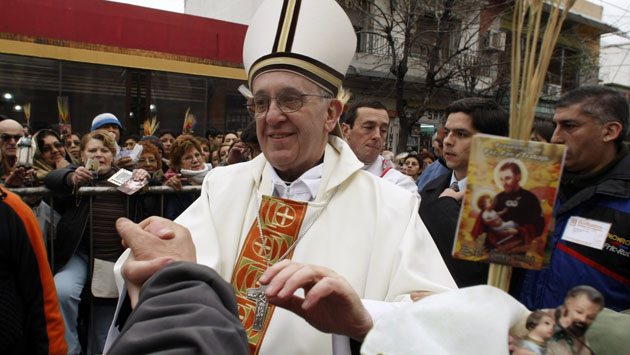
(509, 199)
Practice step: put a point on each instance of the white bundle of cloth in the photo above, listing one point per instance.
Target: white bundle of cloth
(472, 320)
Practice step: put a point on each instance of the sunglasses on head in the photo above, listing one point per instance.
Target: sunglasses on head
(48, 148)
(7, 137)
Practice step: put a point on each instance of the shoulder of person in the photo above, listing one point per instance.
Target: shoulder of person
(380, 190)
(441, 182)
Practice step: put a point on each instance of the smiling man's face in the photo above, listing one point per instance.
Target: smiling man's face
(294, 142)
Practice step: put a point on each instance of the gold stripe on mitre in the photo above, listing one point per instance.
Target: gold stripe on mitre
(286, 26)
(317, 74)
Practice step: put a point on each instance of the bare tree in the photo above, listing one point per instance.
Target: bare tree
(428, 48)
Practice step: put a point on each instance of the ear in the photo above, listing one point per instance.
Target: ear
(611, 131)
(333, 112)
(345, 128)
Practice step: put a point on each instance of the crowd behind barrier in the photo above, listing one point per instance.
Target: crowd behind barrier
(48, 197)
(70, 182)
(78, 175)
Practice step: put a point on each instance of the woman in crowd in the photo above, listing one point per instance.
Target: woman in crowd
(50, 153)
(427, 158)
(230, 137)
(73, 142)
(206, 150)
(214, 157)
(413, 166)
(187, 167)
(150, 160)
(74, 247)
(167, 137)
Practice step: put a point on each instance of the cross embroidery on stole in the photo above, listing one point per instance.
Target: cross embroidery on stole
(281, 221)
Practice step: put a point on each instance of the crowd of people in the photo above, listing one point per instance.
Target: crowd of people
(320, 234)
(61, 162)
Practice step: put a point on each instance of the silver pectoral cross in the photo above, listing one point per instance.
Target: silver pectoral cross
(258, 294)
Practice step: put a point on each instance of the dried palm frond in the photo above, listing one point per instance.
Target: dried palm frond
(344, 95)
(27, 113)
(189, 122)
(151, 126)
(529, 69)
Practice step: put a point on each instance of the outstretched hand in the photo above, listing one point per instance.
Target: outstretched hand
(330, 304)
(154, 243)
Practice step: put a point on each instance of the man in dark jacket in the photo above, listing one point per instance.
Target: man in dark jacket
(592, 122)
(440, 198)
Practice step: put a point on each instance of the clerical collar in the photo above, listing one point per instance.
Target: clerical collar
(376, 167)
(460, 183)
(303, 188)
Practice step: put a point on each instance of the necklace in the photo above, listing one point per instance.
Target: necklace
(257, 294)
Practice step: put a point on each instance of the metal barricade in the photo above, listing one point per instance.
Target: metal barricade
(91, 191)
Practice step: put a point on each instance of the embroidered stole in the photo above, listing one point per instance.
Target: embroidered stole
(281, 221)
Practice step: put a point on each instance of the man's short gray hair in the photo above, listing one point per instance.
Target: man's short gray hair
(602, 103)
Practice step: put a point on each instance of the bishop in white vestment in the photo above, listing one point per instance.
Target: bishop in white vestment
(303, 219)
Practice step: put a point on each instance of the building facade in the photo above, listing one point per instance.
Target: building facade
(135, 62)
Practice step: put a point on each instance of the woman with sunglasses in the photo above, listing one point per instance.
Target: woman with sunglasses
(50, 153)
(73, 141)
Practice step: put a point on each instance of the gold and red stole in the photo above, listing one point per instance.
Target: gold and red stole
(281, 220)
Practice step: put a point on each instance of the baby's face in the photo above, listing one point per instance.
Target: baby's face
(545, 327)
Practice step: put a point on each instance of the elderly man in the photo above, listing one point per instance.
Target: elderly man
(441, 197)
(365, 129)
(591, 121)
(10, 132)
(302, 240)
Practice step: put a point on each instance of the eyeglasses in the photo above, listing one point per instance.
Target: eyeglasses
(287, 102)
(49, 148)
(7, 137)
(71, 142)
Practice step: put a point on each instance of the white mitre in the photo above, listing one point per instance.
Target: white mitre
(313, 38)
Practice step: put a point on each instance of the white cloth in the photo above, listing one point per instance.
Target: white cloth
(196, 176)
(370, 233)
(394, 176)
(472, 320)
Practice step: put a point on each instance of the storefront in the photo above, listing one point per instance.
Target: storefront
(134, 62)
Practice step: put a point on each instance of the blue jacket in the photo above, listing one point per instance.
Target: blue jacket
(607, 270)
(433, 171)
